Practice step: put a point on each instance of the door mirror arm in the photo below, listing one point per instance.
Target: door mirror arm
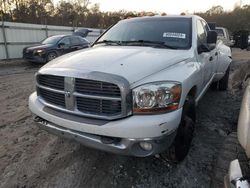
(203, 48)
(211, 46)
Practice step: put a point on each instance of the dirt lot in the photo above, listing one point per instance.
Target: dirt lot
(30, 157)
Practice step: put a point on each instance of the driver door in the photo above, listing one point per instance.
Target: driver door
(66, 47)
(205, 58)
(213, 53)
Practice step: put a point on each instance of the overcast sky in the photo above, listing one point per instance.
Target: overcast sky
(168, 6)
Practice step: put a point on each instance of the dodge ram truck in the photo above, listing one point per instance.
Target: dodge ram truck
(135, 90)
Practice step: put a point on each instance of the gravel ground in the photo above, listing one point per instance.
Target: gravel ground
(30, 157)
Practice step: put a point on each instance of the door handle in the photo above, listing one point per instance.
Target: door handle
(211, 58)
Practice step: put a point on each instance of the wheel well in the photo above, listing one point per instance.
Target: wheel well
(191, 112)
(52, 51)
(192, 93)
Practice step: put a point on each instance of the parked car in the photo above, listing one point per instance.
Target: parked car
(134, 92)
(54, 46)
(223, 35)
(232, 168)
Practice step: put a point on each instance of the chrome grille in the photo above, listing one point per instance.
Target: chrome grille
(93, 87)
(52, 97)
(55, 82)
(98, 106)
(95, 95)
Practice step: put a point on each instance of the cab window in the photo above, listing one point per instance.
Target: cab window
(201, 32)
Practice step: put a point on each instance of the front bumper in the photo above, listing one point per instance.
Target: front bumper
(122, 146)
(35, 59)
(158, 130)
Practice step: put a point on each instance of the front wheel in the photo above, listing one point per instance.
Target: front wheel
(223, 83)
(51, 56)
(181, 145)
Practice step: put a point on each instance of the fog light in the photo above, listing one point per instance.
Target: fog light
(146, 146)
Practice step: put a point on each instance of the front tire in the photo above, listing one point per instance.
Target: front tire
(51, 56)
(223, 83)
(181, 145)
(214, 86)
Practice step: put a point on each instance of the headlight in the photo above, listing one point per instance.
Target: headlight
(39, 51)
(156, 97)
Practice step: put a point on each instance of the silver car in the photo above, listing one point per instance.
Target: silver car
(232, 167)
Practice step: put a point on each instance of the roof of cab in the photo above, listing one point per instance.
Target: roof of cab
(161, 17)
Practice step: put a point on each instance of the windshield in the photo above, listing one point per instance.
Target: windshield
(174, 32)
(51, 40)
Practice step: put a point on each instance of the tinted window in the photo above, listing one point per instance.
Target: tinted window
(84, 41)
(66, 41)
(174, 32)
(51, 40)
(75, 40)
(202, 34)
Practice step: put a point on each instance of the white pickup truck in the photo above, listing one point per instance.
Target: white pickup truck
(223, 35)
(134, 92)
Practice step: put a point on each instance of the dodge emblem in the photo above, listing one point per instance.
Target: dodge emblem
(67, 94)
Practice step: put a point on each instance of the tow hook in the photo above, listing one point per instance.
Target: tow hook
(37, 119)
(109, 140)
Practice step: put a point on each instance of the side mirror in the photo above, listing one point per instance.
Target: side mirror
(61, 45)
(203, 48)
(212, 37)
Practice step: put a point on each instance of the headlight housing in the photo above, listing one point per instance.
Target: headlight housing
(156, 97)
(39, 51)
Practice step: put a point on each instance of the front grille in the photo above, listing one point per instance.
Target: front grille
(92, 87)
(98, 106)
(85, 97)
(28, 54)
(51, 81)
(52, 97)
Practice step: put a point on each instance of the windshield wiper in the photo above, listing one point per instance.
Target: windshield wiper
(108, 42)
(152, 43)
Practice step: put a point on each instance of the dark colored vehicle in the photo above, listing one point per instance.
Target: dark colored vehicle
(82, 32)
(54, 46)
(241, 39)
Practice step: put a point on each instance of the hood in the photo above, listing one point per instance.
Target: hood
(39, 46)
(130, 62)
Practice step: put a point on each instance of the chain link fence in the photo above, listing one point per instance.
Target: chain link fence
(15, 36)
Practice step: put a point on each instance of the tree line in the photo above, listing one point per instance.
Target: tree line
(82, 13)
